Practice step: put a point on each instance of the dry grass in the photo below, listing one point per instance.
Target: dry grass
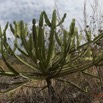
(65, 93)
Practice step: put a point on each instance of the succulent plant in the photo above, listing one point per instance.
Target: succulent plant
(52, 56)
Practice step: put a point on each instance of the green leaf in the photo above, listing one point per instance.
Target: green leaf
(15, 85)
(58, 39)
(9, 74)
(47, 19)
(98, 38)
(67, 40)
(4, 32)
(6, 26)
(23, 37)
(34, 67)
(41, 43)
(72, 27)
(51, 46)
(62, 20)
(88, 52)
(88, 35)
(3, 57)
(79, 39)
(54, 19)
(12, 29)
(21, 51)
(35, 38)
(9, 66)
(0, 32)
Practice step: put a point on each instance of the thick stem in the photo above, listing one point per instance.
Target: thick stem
(51, 91)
